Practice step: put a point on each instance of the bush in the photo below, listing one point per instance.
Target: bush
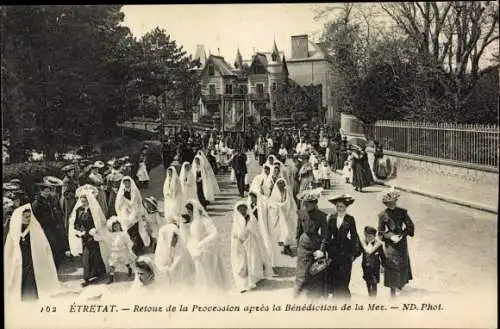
(33, 172)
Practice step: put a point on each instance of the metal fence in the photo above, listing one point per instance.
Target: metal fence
(463, 143)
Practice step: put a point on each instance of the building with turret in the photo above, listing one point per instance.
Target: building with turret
(230, 94)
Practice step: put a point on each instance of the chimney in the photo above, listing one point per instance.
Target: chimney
(300, 45)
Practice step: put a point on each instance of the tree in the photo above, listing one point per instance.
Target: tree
(291, 99)
(163, 72)
(451, 37)
(65, 72)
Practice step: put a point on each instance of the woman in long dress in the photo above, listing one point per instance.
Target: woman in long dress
(172, 194)
(394, 225)
(282, 217)
(248, 256)
(259, 182)
(210, 171)
(88, 234)
(359, 179)
(258, 207)
(204, 185)
(30, 271)
(381, 164)
(173, 259)
(130, 209)
(187, 182)
(201, 238)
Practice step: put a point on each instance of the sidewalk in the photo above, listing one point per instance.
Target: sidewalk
(482, 196)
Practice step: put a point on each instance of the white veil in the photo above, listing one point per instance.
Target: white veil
(75, 243)
(164, 256)
(187, 182)
(44, 268)
(131, 211)
(263, 223)
(287, 209)
(259, 180)
(172, 193)
(209, 184)
(210, 171)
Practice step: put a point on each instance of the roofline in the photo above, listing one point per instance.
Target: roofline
(298, 60)
(299, 35)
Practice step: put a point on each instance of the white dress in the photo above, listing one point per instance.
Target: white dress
(142, 173)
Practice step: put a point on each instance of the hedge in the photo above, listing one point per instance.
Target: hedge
(33, 172)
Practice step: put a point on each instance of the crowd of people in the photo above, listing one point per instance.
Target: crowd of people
(98, 213)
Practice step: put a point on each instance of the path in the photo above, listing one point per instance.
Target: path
(454, 247)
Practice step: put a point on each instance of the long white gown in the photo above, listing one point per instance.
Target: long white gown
(172, 194)
(44, 268)
(282, 216)
(132, 211)
(249, 259)
(173, 262)
(201, 239)
(188, 183)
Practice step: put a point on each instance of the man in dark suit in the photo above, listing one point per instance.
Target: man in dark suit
(239, 165)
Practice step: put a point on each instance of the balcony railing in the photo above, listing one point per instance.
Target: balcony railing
(211, 98)
(259, 96)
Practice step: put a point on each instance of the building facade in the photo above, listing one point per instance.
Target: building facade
(232, 93)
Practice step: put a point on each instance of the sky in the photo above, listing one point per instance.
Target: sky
(222, 28)
(226, 27)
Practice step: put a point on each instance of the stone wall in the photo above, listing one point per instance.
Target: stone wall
(458, 182)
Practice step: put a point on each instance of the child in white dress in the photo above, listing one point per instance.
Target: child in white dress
(142, 172)
(121, 254)
(317, 175)
(324, 170)
(347, 171)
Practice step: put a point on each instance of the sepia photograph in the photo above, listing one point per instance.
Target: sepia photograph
(300, 165)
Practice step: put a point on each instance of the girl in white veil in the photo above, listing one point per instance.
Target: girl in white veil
(172, 193)
(210, 171)
(21, 281)
(205, 186)
(258, 183)
(258, 207)
(201, 239)
(248, 255)
(173, 259)
(130, 209)
(282, 216)
(188, 183)
(88, 238)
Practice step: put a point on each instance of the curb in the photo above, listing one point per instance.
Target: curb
(437, 196)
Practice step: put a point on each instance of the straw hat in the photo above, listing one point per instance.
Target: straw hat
(390, 197)
(67, 168)
(344, 198)
(98, 164)
(53, 181)
(310, 195)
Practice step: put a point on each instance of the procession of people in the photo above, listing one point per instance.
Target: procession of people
(99, 215)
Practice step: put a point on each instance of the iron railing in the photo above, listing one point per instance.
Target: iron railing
(468, 144)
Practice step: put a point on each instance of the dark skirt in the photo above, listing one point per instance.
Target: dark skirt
(339, 277)
(397, 267)
(29, 290)
(133, 232)
(201, 195)
(359, 179)
(306, 284)
(341, 159)
(93, 265)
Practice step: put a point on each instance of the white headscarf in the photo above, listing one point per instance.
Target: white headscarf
(172, 193)
(187, 182)
(263, 222)
(132, 211)
(164, 256)
(259, 181)
(287, 208)
(210, 171)
(44, 268)
(75, 243)
(241, 256)
(209, 184)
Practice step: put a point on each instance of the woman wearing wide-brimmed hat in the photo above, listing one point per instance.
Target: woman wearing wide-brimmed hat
(343, 247)
(394, 225)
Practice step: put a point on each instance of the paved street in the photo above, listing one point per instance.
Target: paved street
(454, 247)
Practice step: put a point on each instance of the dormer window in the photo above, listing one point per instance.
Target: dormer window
(211, 69)
(274, 57)
(274, 86)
